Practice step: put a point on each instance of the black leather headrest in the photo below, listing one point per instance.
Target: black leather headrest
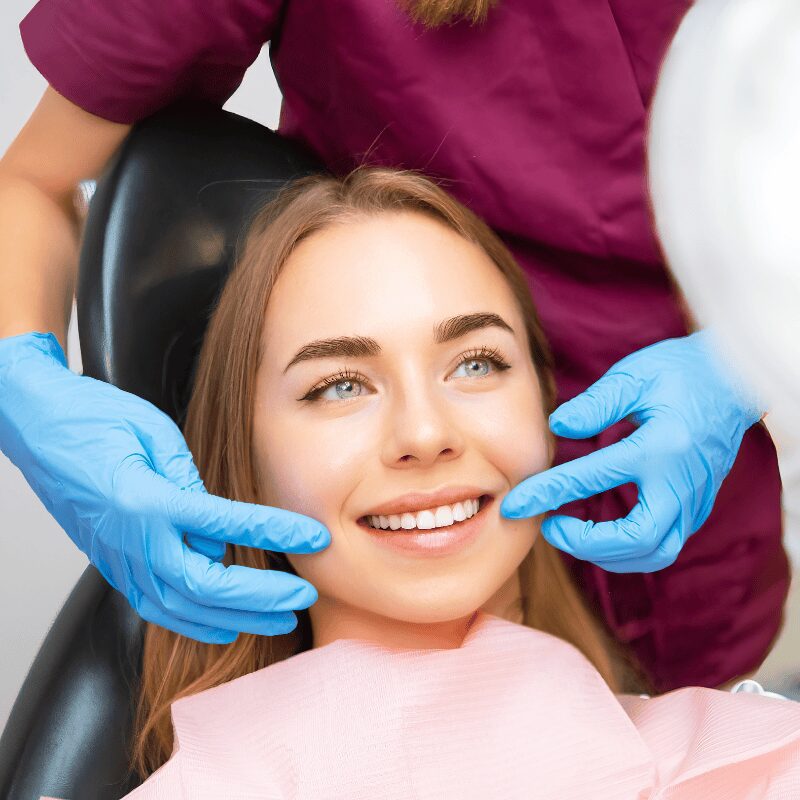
(160, 237)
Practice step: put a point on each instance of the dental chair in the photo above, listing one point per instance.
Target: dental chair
(159, 240)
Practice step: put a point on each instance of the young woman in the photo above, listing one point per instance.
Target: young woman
(375, 362)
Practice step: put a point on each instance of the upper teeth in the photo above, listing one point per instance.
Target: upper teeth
(438, 517)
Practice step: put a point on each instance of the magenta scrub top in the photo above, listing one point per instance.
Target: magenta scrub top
(537, 118)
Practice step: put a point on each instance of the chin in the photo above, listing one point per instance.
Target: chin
(430, 611)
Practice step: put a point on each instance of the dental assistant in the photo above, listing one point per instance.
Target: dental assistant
(535, 113)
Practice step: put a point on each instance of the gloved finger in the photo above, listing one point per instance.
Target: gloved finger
(583, 477)
(610, 399)
(172, 459)
(212, 584)
(174, 604)
(665, 555)
(635, 536)
(247, 524)
(207, 547)
(170, 454)
(148, 611)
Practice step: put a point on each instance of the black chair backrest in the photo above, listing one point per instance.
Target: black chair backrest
(159, 242)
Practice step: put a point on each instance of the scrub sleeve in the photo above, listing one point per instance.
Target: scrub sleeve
(537, 122)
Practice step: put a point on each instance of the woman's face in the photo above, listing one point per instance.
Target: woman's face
(415, 411)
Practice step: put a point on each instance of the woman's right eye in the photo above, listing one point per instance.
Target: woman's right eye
(341, 385)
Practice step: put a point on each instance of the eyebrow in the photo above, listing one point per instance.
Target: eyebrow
(365, 346)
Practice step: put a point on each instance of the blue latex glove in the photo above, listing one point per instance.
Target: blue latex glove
(692, 414)
(116, 474)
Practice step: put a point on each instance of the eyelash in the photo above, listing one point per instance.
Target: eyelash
(490, 354)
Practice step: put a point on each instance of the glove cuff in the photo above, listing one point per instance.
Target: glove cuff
(14, 349)
(752, 406)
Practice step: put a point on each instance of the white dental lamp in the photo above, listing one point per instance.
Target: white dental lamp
(724, 175)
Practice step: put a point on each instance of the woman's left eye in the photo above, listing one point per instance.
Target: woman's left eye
(492, 357)
(345, 382)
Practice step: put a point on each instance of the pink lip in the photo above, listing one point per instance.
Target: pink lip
(436, 541)
(419, 501)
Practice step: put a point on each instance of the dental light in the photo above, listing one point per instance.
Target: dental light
(724, 172)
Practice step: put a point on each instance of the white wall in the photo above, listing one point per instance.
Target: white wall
(38, 563)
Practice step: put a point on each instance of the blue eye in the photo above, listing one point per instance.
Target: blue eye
(492, 357)
(346, 382)
(343, 381)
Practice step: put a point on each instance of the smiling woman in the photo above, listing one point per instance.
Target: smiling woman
(375, 361)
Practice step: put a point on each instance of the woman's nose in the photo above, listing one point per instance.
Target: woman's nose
(421, 428)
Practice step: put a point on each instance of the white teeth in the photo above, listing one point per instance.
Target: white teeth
(444, 516)
(430, 518)
(426, 520)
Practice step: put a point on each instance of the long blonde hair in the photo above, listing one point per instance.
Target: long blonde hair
(219, 427)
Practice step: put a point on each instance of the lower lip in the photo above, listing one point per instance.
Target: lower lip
(436, 541)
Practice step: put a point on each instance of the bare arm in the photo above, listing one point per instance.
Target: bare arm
(58, 147)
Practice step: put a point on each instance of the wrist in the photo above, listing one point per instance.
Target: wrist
(747, 399)
(25, 345)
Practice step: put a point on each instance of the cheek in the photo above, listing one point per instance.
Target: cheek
(284, 463)
(293, 476)
(290, 480)
(517, 436)
(307, 468)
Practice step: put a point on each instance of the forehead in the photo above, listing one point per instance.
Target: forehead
(383, 274)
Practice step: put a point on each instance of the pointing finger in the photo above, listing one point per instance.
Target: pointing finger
(583, 477)
(248, 524)
(605, 402)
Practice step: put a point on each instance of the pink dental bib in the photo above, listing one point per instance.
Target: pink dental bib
(512, 713)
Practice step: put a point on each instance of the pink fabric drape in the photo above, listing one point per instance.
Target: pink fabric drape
(512, 713)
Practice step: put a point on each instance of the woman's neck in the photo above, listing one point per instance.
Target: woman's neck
(331, 621)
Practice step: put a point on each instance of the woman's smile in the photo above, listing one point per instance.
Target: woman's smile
(420, 534)
(426, 519)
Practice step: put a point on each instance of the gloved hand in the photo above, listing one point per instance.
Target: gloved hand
(692, 414)
(118, 477)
